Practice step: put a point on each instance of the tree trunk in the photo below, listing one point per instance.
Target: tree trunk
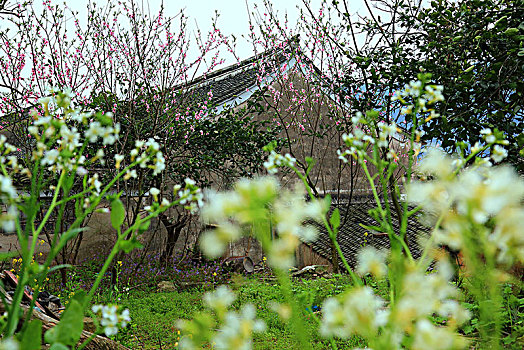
(173, 232)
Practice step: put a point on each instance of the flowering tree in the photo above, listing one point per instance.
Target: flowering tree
(125, 61)
(308, 95)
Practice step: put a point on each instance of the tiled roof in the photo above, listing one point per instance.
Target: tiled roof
(230, 82)
(352, 236)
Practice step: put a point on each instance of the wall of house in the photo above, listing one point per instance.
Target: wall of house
(305, 256)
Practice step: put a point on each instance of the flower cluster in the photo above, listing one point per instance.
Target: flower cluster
(424, 294)
(111, 318)
(8, 194)
(143, 152)
(276, 160)
(423, 95)
(476, 195)
(360, 312)
(358, 141)
(258, 203)
(58, 144)
(237, 328)
(496, 139)
(191, 195)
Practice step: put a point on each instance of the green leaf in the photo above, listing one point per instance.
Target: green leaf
(310, 163)
(8, 255)
(129, 245)
(143, 227)
(520, 139)
(67, 236)
(58, 346)
(270, 146)
(327, 202)
(334, 220)
(32, 336)
(511, 31)
(105, 120)
(50, 335)
(69, 329)
(117, 213)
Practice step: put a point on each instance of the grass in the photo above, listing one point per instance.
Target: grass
(154, 314)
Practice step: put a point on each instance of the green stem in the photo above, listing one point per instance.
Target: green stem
(26, 258)
(116, 248)
(431, 240)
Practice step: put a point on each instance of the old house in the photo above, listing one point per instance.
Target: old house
(289, 91)
(281, 86)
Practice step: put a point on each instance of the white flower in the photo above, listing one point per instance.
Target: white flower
(358, 118)
(45, 121)
(220, 299)
(486, 131)
(111, 319)
(94, 182)
(214, 243)
(437, 163)
(423, 295)
(488, 193)
(160, 164)
(6, 186)
(276, 160)
(434, 93)
(430, 337)
(45, 100)
(154, 192)
(100, 155)
(130, 174)
(282, 252)
(50, 157)
(237, 330)
(498, 153)
(9, 344)
(81, 171)
(414, 88)
(108, 134)
(153, 145)
(94, 132)
(33, 130)
(133, 153)
(359, 313)
(70, 138)
(8, 220)
(118, 160)
(371, 260)
(508, 236)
